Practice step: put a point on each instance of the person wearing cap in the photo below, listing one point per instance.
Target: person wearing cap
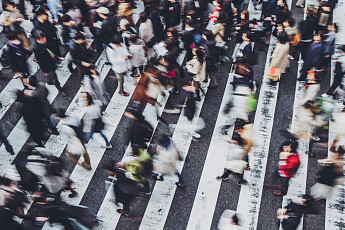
(81, 55)
(105, 27)
(47, 60)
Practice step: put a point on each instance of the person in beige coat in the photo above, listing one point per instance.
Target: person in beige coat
(280, 55)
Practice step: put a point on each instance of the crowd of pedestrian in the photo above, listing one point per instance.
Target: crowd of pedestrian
(146, 52)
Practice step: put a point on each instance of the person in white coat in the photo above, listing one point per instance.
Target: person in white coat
(164, 163)
(235, 163)
(118, 56)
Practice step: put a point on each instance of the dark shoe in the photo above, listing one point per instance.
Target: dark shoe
(180, 185)
(73, 194)
(123, 213)
(50, 83)
(242, 182)
(86, 166)
(124, 94)
(63, 93)
(277, 192)
(222, 178)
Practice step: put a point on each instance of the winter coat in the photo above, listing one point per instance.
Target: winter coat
(218, 32)
(92, 113)
(240, 102)
(16, 56)
(137, 50)
(75, 15)
(80, 53)
(289, 167)
(117, 57)
(146, 31)
(198, 69)
(234, 161)
(307, 28)
(147, 90)
(41, 95)
(74, 144)
(156, 24)
(137, 167)
(109, 29)
(165, 160)
(329, 44)
(53, 183)
(48, 29)
(94, 86)
(45, 60)
(314, 57)
(280, 56)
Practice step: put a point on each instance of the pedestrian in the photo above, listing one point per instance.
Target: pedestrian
(280, 59)
(196, 68)
(73, 130)
(244, 49)
(15, 56)
(289, 163)
(314, 59)
(43, 24)
(47, 60)
(330, 174)
(188, 38)
(173, 66)
(118, 56)
(210, 57)
(228, 220)
(235, 163)
(31, 113)
(12, 23)
(137, 51)
(93, 119)
(82, 56)
(164, 162)
(105, 28)
(125, 188)
(339, 73)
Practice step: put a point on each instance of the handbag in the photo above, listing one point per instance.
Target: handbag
(274, 73)
(98, 125)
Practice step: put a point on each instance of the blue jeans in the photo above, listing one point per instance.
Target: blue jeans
(89, 136)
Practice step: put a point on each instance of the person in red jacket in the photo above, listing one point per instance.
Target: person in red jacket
(289, 163)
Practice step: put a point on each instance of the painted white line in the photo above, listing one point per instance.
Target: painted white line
(335, 205)
(206, 197)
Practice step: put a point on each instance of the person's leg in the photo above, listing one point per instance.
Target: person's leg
(225, 174)
(125, 208)
(52, 77)
(146, 185)
(337, 81)
(105, 139)
(240, 179)
(8, 146)
(213, 80)
(180, 179)
(120, 77)
(284, 185)
(88, 136)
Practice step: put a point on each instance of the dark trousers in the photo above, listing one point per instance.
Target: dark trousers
(284, 185)
(337, 81)
(4, 140)
(227, 172)
(52, 79)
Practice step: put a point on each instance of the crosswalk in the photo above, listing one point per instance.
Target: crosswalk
(194, 207)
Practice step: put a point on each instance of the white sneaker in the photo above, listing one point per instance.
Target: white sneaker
(196, 135)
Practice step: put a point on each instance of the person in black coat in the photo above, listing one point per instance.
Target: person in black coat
(4, 140)
(307, 29)
(188, 38)
(43, 24)
(314, 56)
(125, 189)
(31, 112)
(153, 14)
(81, 55)
(15, 56)
(46, 60)
(171, 11)
(210, 55)
(140, 131)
